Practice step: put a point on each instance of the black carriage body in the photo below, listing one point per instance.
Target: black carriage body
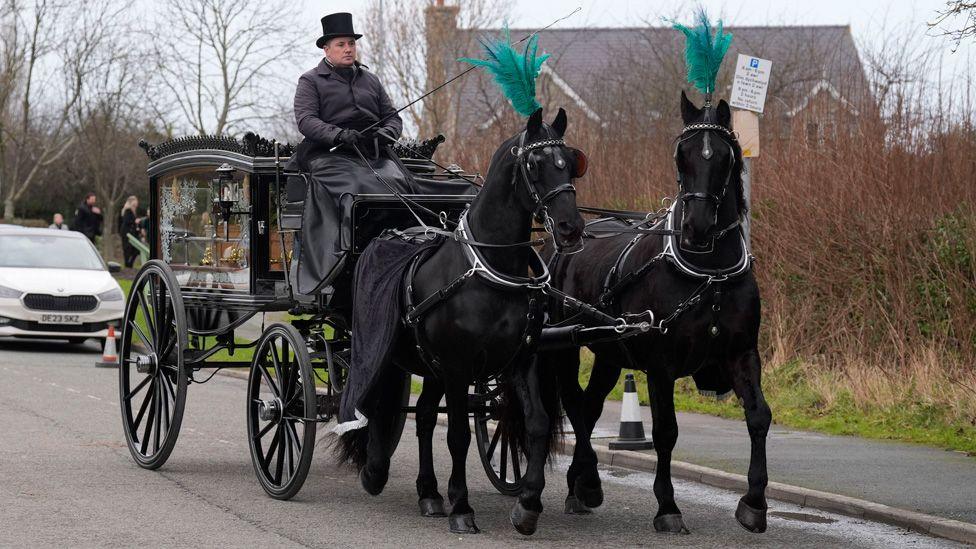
(228, 262)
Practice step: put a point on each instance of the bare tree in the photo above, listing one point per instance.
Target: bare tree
(36, 98)
(954, 10)
(218, 61)
(405, 51)
(106, 118)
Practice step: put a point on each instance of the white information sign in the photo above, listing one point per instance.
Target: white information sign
(750, 83)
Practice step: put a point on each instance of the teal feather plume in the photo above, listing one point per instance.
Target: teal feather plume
(514, 73)
(703, 51)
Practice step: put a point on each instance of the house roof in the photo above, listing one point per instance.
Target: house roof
(588, 65)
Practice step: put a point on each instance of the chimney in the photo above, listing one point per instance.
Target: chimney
(441, 28)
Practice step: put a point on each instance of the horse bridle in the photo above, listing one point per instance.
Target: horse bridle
(541, 211)
(707, 153)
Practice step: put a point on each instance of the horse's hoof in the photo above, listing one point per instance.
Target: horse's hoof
(574, 507)
(373, 485)
(432, 507)
(463, 524)
(524, 520)
(589, 496)
(750, 518)
(670, 524)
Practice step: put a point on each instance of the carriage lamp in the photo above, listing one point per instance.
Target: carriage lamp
(227, 193)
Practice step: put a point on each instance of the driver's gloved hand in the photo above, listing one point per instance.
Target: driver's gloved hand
(384, 137)
(348, 137)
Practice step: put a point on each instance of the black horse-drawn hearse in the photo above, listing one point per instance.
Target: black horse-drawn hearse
(224, 219)
(463, 297)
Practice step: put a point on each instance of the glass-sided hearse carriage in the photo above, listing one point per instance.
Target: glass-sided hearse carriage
(223, 219)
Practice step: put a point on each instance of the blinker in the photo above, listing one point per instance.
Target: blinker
(581, 163)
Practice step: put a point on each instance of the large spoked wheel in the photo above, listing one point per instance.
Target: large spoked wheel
(502, 461)
(152, 375)
(281, 411)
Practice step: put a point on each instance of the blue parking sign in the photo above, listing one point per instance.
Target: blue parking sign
(754, 63)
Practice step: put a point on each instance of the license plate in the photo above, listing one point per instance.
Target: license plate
(60, 319)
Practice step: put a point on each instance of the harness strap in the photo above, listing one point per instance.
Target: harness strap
(415, 313)
(464, 240)
(612, 288)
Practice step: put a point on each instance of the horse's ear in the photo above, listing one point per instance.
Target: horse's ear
(724, 114)
(535, 123)
(689, 112)
(559, 123)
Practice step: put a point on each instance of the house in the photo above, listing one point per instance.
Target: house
(614, 76)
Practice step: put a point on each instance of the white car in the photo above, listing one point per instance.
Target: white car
(54, 284)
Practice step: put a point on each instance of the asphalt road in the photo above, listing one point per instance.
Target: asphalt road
(66, 479)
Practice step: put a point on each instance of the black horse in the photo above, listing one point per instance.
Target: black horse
(475, 315)
(693, 271)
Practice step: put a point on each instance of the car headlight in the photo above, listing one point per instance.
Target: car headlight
(114, 294)
(10, 292)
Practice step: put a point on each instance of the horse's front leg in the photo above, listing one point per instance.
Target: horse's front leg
(461, 518)
(587, 488)
(751, 512)
(665, 432)
(565, 364)
(431, 502)
(526, 385)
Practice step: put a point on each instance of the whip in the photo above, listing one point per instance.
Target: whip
(455, 77)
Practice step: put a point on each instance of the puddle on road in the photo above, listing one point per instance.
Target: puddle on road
(802, 517)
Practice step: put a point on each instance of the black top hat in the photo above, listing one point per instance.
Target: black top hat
(336, 24)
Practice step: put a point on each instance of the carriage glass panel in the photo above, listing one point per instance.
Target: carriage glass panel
(204, 230)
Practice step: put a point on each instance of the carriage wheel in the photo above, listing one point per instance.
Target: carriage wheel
(152, 375)
(281, 411)
(503, 463)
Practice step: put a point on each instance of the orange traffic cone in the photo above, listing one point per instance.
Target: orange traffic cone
(109, 357)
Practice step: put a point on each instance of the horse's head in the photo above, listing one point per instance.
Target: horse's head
(545, 169)
(709, 162)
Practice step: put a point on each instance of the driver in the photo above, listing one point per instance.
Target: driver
(334, 104)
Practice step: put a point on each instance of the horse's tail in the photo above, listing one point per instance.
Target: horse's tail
(513, 416)
(351, 447)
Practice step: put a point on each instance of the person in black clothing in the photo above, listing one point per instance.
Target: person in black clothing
(88, 218)
(335, 103)
(127, 226)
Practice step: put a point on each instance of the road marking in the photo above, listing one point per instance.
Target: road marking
(93, 397)
(70, 390)
(222, 441)
(53, 384)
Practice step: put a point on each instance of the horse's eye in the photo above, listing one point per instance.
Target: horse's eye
(581, 163)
